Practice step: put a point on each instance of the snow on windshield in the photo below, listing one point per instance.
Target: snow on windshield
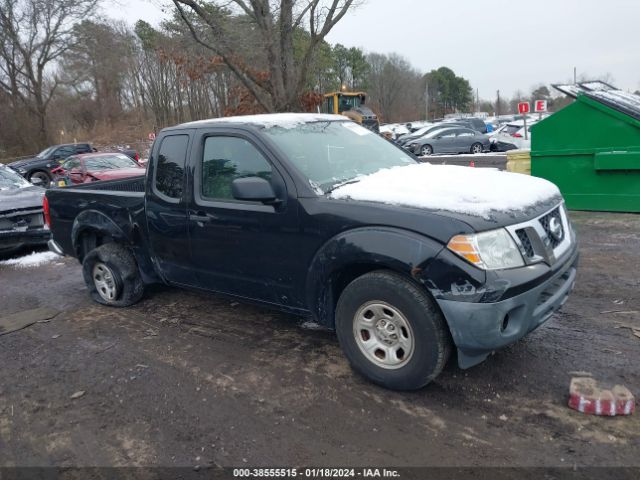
(473, 191)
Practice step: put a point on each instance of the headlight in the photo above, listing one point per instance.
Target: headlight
(22, 170)
(491, 250)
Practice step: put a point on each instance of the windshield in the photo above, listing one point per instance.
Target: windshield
(45, 152)
(332, 153)
(347, 102)
(111, 162)
(421, 131)
(10, 180)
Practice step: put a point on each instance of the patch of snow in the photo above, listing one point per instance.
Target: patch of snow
(35, 259)
(472, 191)
(269, 120)
(309, 325)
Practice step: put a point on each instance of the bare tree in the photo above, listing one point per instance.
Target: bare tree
(276, 21)
(34, 34)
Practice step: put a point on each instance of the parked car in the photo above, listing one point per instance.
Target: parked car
(91, 167)
(21, 215)
(512, 137)
(259, 208)
(406, 139)
(470, 122)
(40, 166)
(450, 140)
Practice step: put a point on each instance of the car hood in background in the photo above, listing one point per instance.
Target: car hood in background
(24, 162)
(20, 198)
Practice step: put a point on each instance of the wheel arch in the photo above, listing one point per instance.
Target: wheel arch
(356, 252)
(92, 228)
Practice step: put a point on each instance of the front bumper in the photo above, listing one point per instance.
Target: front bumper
(478, 329)
(13, 240)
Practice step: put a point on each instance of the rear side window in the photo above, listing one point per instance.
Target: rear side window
(83, 148)
(169, 177)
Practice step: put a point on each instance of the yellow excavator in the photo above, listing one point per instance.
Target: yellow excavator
(351, 105)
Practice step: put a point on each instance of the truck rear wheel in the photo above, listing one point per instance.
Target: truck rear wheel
(391, 331)
(112, 277)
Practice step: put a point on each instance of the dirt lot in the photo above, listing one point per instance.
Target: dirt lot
(185, 379)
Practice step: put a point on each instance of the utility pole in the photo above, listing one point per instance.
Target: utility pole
(477, 100)
(575, 75)
(426, 97)
(498, 104)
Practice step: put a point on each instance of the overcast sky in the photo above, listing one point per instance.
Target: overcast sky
(498, 44)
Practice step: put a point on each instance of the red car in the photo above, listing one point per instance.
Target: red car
(91, 167)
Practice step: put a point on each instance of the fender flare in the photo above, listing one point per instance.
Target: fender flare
(98, 222)
(130, 236)
(373, 248)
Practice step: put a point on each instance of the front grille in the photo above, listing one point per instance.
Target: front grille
(554, 237)
(545, 238)
(22, 221)
(525, 241)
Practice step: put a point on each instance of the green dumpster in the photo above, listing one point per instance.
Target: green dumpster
(591, 150)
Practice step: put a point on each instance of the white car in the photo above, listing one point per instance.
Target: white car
(394, 129)
(511, 136)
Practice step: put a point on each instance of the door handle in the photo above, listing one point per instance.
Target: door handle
(200, 217)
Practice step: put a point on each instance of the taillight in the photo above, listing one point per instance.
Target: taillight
(47, 213)
(516, 135)
(137, 157)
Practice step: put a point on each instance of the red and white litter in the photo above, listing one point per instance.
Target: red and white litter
(587, 397)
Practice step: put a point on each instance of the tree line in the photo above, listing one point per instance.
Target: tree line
(67, 74)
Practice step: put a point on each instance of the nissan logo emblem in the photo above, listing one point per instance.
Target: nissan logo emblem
(555, 228)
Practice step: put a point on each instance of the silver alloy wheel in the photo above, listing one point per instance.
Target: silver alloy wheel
(42, 176)
(476, 148)
(104, 281)
(426, 150)
(383, 335)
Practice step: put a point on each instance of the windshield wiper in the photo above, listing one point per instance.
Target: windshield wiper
(341, 184)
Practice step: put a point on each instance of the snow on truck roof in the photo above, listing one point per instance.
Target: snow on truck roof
(268, 120)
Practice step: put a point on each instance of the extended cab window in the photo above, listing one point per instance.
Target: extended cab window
(169, 177)
(228, 158)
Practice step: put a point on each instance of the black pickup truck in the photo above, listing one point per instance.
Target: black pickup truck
(317, 216)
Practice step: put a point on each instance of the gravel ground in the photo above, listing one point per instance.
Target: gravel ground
(186, 379)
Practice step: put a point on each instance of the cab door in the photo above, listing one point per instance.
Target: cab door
(166, 207)
(244, 248)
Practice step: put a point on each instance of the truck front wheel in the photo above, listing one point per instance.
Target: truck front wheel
(391, 331)
(112, 277)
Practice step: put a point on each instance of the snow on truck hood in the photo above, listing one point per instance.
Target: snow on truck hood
(471, 191)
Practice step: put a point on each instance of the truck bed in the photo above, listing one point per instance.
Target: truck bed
(133, 185)
(117, 201)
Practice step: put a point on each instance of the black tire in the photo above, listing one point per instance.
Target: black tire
(44, 176)
(432, 340)
(123, 269)
(426, 150)
(476, 148)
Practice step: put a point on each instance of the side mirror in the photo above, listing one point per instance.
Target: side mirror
(37, 181)
(254, 189)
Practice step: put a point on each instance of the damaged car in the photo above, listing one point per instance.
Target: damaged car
(21, 214)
